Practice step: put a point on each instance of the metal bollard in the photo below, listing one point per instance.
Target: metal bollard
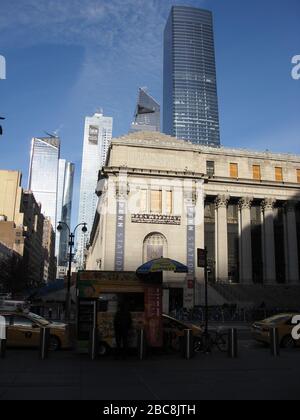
(2, 349)
(44, 343)
(3, 341)
(233, 343)
(93, 343)
(188, 349)
(274, 342)
(141, 344)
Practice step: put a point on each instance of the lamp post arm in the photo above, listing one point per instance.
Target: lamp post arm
(80, 224)
(65, 224)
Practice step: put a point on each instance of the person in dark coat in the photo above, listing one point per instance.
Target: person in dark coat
(122, 325)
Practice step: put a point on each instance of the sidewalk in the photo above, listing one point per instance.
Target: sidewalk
(255, 375)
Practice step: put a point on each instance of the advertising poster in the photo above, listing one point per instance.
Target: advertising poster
(153, 316)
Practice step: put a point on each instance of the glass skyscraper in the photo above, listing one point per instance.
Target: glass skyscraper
(43, 174)
(64, 209)
(147, 113)
(97, 138)
(190, 86)
(51, 181)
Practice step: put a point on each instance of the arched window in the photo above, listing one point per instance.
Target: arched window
(155, 246)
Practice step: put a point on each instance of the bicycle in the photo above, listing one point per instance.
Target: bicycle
(207, 342)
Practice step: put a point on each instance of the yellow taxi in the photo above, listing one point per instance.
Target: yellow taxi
(174, 329)
(23, 330)
(261, 330)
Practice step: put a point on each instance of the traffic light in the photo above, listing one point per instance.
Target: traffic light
(1, 131)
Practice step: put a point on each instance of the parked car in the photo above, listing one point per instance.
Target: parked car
(23, 330)
(261, 330)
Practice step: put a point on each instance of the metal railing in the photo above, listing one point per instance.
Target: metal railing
(220, 314)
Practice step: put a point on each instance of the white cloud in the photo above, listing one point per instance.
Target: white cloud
(122, 39)
(83, 21)
(130, 31)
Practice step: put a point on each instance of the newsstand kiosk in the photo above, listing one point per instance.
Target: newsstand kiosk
(98, 295)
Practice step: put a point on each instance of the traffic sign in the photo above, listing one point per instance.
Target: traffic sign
(201, 257)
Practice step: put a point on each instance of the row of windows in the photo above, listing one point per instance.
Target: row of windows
(153, 202)
(256, 171)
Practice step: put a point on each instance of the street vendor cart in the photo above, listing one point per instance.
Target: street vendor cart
(99, 293)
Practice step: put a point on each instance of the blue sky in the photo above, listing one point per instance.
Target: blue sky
(65, 59)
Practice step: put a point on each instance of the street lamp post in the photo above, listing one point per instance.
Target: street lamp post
(60, 227)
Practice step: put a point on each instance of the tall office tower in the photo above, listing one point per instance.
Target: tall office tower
(64, 209)
(43, 174)
(97, 138)
(147, 113)
(190, 86)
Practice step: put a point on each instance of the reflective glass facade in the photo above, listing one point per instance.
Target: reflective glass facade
(190, 86)
(64, 208)
(43, 174)
(147, 113)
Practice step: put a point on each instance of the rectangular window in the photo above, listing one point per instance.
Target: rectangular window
(156, 201)
(234, 170)
(169, 202)
(278, 174)
(298, 176)
(210, 168)
(142, 205)
(256, 172)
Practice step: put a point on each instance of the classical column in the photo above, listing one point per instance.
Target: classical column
(245, 240)
(291, 243)
(269, 241)
(221, 238)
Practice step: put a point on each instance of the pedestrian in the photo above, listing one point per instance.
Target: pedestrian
(122, 326)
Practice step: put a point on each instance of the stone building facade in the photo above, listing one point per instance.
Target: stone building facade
(49, 260)
(22, 234)
(159, 196)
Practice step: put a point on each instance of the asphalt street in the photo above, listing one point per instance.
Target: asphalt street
(255, 375)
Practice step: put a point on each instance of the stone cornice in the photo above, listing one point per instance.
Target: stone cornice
(153, 172)
(253, 183)
(162, 141)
